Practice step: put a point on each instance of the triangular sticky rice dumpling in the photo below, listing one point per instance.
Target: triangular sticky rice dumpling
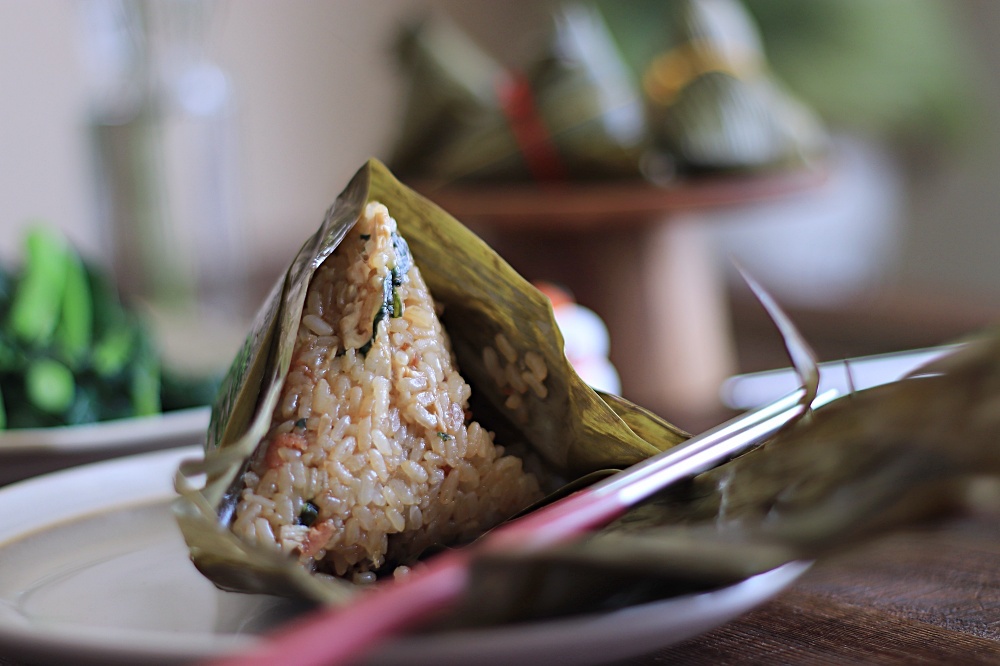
(370, 457)
(344, 441)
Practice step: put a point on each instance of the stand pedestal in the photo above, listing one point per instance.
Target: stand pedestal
(639, 256)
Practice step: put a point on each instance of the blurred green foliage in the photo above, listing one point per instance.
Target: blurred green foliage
(901, 70)
(71, 352)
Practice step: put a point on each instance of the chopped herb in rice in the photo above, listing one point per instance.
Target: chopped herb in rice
(371, 458)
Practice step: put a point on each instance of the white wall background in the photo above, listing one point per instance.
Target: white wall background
(42, 156)
(314, 91)
(317, 93)
(952, 239)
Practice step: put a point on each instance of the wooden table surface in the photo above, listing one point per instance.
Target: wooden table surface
(929, 596)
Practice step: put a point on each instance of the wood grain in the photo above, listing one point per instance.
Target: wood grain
(924, 596)
(929, 595)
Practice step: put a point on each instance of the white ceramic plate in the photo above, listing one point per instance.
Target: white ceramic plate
(95, 571)
(33, 451)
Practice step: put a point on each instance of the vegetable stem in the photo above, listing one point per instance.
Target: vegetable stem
(35, 310)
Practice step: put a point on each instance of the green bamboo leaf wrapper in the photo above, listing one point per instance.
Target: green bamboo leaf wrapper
(573, 429)
(922, 448)
(713, 102)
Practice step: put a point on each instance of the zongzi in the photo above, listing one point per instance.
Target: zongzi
(344, 442)
(371, 456)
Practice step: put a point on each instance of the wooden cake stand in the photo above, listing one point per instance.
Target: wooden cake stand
(639, 256)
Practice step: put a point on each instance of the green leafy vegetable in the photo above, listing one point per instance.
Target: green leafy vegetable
(392, 304)
(35, 310)
(49, 385)
(308, 514)
(71, 352)
(75, 331)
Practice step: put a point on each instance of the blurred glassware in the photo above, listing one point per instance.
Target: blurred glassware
(164, 147)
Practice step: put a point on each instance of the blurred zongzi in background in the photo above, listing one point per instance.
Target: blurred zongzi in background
(574, 114)
(577, 110)
(926, 447)
(713, 103)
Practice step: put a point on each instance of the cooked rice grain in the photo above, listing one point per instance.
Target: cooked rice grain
(386, 463)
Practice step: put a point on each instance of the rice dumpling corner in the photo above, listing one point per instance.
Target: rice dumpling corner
(372, 454)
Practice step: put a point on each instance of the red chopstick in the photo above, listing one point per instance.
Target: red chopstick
(337, 635)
